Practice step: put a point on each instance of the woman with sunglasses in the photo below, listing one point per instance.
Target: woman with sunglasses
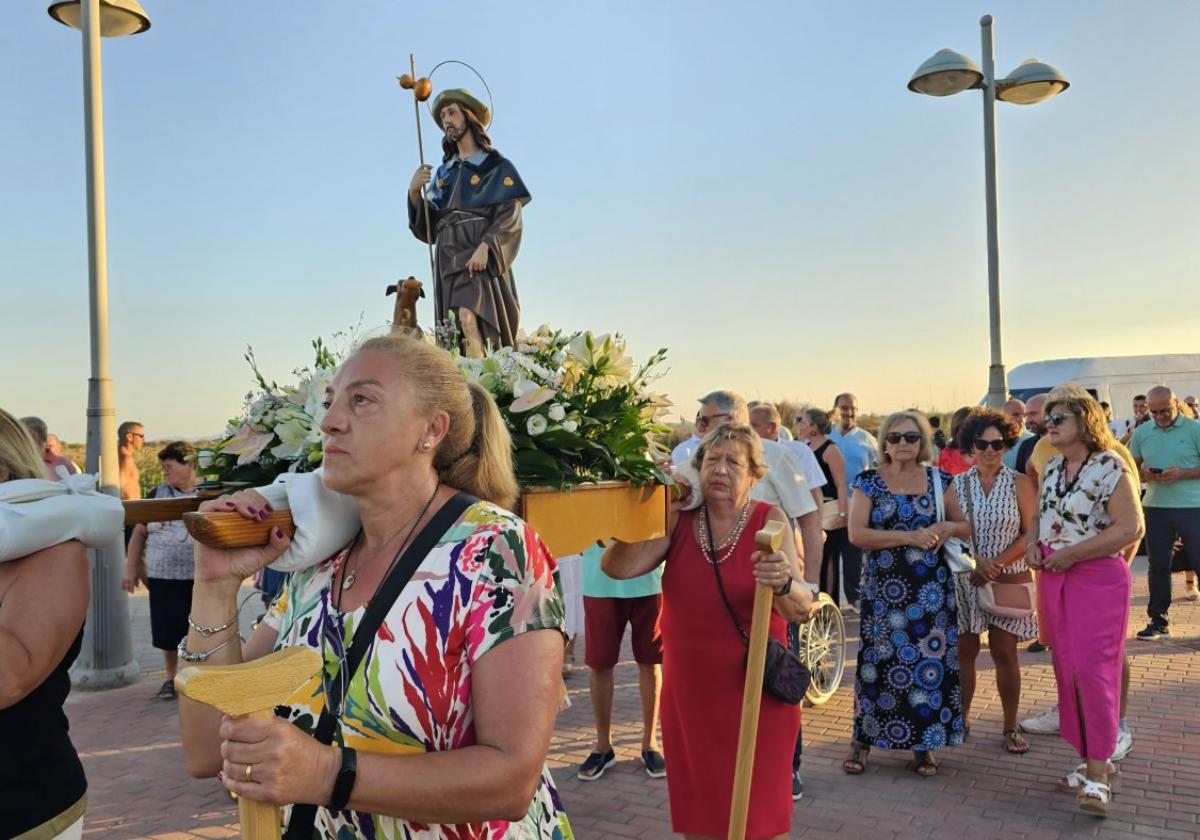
(1088, 515)
(906, 688)
(1001, 507)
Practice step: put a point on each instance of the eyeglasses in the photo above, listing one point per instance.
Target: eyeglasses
(702, 422)
(1057, 418)
(981, 444)
(1163, 411)
(907, 437)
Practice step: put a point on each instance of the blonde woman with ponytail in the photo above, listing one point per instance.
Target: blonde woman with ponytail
(448, 720)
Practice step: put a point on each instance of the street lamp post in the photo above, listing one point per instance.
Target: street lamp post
(106, 659)
(948, 72)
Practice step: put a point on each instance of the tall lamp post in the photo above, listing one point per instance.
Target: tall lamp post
(948, 72)
(106, 659)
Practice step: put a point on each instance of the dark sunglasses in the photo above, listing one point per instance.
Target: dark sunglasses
(1057, 418)
(907, 437)
(981, 444)
(702, 422)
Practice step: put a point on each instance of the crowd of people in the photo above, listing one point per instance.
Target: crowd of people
(1010, 525)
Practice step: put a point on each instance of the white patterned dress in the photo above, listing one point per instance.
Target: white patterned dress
(997, 525)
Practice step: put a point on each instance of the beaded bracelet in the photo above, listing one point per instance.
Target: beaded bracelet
(200, 656)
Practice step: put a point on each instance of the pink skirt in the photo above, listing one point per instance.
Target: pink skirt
(1087, 609)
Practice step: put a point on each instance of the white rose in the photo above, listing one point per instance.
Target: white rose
(557, 413)
(570, 425)
(535, 425)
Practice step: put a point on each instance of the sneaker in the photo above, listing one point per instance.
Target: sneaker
(1191, 592)
(1038, 647)
(1124, 744)
(1044, 724)
(797, 786)
(166, 691)
(1152, 632)
(595, 765)
(655, 764)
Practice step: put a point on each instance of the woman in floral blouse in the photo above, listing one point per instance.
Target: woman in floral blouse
(1088, 512)
(451, 711)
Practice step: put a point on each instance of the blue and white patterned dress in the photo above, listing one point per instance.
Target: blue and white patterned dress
(906, 690)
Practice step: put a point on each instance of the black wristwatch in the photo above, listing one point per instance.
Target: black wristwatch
(345, 781)
(785, 589)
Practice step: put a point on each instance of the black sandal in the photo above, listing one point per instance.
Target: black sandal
(856, 762)
(923, 764)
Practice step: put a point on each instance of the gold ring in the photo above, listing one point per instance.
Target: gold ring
(249, 772)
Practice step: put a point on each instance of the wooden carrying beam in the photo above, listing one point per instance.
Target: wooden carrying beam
(159, 510)
(769, 539)
(252, 688)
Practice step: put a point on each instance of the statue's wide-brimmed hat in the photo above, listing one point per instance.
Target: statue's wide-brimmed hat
(462, 97)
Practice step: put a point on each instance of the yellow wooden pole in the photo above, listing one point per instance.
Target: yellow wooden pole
(252, 688)
(768, 539)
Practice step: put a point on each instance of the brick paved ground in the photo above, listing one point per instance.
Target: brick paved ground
(130, 748)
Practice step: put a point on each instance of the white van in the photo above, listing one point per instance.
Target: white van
(1112, 379)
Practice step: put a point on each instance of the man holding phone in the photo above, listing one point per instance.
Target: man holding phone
(1167, 451)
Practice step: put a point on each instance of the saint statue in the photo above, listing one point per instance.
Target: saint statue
(474, 223)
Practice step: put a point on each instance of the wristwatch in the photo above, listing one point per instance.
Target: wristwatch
(785, 589)
(345, 781)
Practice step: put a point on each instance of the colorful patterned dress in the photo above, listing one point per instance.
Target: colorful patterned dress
(488, 579)
(906, 689)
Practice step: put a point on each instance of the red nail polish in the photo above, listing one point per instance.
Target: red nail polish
(252, 511)
(230, 505)
(278, 533)
(269, 509)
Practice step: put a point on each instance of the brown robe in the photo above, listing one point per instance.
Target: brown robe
(490, 294)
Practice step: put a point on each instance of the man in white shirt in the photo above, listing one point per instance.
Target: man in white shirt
(783, 485)
(768, 425)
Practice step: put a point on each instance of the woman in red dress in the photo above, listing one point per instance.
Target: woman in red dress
(704, 657)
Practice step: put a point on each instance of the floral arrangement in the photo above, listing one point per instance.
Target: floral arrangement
(280, 427)
(578, 410)
(576, 406)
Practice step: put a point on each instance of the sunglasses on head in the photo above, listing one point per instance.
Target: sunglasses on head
(981, 444)
(907, 437)
(1057, 418)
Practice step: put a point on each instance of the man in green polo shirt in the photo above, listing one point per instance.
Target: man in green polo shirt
(1167, 451)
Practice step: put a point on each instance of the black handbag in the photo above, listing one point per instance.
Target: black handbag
(785, 676)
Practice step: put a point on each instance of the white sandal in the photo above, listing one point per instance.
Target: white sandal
(1093, 798)
(1074, 781)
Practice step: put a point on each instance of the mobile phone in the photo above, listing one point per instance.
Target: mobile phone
(1154, 470)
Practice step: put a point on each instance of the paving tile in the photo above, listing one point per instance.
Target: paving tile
(129, 744)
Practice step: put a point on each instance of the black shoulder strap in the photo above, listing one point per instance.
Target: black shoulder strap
(300, 826)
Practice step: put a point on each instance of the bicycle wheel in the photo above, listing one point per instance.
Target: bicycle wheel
(823, 649)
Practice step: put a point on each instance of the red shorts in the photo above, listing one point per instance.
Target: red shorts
(604, 621)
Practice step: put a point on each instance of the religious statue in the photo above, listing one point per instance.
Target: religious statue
(474, 223)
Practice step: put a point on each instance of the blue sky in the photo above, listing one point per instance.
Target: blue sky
(750, 185)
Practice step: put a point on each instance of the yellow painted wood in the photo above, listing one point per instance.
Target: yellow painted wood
(249, 687)
(221, 529)
(571, 520)
(252, 688)
(767, 539)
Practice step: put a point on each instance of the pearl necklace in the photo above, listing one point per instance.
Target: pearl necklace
(725, 548)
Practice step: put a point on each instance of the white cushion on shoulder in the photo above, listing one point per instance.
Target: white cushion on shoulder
(326, 521)
(38, 513)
